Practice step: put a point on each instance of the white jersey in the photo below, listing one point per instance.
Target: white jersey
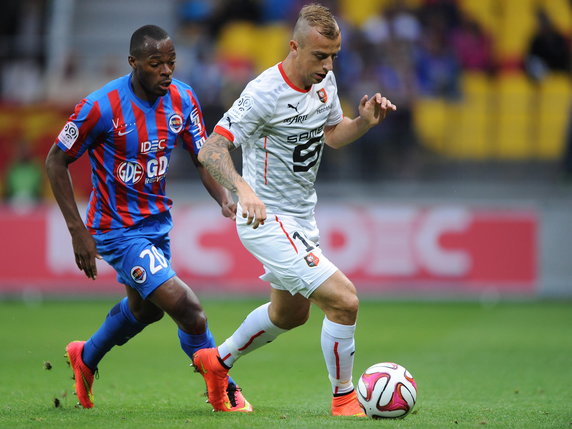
(281, 130)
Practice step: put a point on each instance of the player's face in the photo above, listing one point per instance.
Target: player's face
(315, 56)
(153, 69)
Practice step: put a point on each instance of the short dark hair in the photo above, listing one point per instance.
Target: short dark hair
(138, 37)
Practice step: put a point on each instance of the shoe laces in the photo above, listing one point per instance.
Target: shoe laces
(231, 392)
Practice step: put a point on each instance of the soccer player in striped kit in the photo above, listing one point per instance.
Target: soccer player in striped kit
(129, 128)
(282, 120)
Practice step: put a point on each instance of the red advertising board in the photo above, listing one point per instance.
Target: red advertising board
(382, 248)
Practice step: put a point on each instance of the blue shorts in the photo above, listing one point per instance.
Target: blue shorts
(141, 254)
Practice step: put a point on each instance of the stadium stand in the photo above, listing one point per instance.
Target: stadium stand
(506, 109)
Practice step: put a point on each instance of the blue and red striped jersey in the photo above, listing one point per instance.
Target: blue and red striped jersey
(130, 143)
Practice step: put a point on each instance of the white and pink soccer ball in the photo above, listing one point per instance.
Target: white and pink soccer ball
(386, 390)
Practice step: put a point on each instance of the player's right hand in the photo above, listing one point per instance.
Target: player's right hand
(252, 207)
(85, 252)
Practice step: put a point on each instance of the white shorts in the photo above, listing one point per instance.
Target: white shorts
(288, 249)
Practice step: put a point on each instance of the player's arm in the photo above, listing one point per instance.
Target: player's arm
(220, 194)
(85, 251)
(371, 113)
(215, 156)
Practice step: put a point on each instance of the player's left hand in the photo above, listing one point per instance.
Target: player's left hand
(374, 110)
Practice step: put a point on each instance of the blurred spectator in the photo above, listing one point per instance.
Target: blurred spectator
(386, 45)
(195, 10)
(567, 159)
(548, 50)
(23, 182)
(473, 47)
(440, 13)
(235, 10)
(277, 10)
(397, 22)
(8, 30)
(22, 52)
(438, 70)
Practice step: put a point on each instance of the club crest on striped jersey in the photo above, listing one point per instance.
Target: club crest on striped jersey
(138, 274)
(176, 123)
(312, 260)
(322, 95)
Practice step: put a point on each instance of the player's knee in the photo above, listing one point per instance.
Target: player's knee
(148, 315)
(190, 316)
(296, 320)
(290, 319)
(345, 309)
(349, 299)
(351, 305)
(194, 322)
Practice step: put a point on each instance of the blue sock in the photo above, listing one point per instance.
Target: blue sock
(191, 343)
(119, 326)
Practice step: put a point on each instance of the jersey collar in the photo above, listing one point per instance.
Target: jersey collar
(289, 82)
(143, 104)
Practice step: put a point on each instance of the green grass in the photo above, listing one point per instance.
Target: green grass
(507, 365)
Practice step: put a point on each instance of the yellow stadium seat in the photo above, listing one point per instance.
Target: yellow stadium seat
(273, 45)
(238, 39)
(431, 120)
(471, 135)
(475, 83)
(512, 109)
(484, 11)
(555, 102)
(560, 12)
(516, 26)
(356, 12)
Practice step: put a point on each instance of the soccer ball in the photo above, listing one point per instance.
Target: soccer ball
(386, 390)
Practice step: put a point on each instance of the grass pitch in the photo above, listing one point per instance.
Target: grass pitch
(507, 365)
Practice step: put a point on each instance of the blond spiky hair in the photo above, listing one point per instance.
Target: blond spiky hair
(316, 16)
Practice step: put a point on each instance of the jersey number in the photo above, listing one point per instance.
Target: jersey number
(313, 148)
(156, 260)
(299, 236)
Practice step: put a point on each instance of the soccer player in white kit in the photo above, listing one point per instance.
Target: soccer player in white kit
(282, 120)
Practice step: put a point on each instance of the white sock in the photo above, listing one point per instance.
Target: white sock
(256, 331)
(338, 347)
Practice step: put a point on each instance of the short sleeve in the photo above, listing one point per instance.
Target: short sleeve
(195, 133)
(247, 115)
(81, 129)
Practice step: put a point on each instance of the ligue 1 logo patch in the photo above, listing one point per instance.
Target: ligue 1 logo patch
(176, 123)
(312, 260)
(322, 95)
(138, 274)
(69, 134)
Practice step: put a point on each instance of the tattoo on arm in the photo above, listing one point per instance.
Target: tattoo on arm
(215, 156)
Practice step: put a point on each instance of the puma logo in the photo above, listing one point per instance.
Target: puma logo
(294, 107)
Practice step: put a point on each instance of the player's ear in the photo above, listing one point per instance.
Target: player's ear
(294, 46)
(131, 60)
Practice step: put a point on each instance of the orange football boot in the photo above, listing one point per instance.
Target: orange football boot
(347, 405)
(206, 362)
(82, 375)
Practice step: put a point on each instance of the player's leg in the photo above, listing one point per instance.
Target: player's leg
(183, 306)
(264, 324)
(285, 311)
(338, 300)
(125, 320)
(121, 324)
